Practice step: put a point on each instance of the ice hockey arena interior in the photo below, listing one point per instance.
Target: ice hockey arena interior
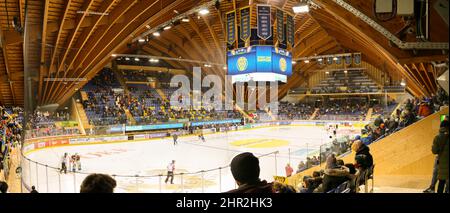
(215, 96)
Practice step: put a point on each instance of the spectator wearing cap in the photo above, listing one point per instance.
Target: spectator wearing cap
(440, 148)
(245, 170)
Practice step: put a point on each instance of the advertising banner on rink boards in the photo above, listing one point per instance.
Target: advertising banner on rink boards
(290, 29)
(264, 21)
(245, 31)
(231, 27)
(280, 25)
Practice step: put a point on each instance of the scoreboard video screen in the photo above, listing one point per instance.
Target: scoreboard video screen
(259, 63)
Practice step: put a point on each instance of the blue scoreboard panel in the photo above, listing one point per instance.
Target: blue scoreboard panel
(259, 63)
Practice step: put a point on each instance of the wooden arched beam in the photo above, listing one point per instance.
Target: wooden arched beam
(196, 45)
(42, 68)
(92, 35)
(217, 43)
(163, 49)
(143, 16)
(70, 39)
(58, 37)
(195, 27)
(345, 23)
(108, 37)
(333, 22)
(150, 50)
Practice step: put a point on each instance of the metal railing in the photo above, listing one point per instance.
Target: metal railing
(50, 179)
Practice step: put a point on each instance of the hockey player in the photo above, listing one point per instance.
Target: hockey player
(170, 170)
(175, 138)
(73, 163)
(64, 164)
(202, 137)
(77, 161)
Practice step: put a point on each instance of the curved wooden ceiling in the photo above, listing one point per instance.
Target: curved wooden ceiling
(78, 45)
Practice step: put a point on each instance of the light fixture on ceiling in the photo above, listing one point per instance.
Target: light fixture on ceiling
(207, 65)
(114, 55)
(319, 59)
(156, 34)
(301, 7)
(185, 19)
(294, 62)
(147, 26)
(167, 27)
(335, 58)
(136, 59)
(153, 60)
(127, 59)
(345, 71)
(403, 83)
(306, 61)
(203, 11)
(327, 72)
(141, 40)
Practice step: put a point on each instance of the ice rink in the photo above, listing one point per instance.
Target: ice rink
(141, 166)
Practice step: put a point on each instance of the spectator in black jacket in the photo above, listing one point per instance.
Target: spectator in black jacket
(363, 158)
(245, 170)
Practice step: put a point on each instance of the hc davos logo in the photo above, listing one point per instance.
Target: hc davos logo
(283, 65)
(242, 63)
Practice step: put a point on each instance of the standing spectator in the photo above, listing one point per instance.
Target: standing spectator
(301, 167)
(245, 170)
(432, 187)
(289, 170)
(440, 148)
(98, 183)
(170, 170)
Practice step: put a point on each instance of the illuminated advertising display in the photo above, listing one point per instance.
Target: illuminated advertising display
(259, 63)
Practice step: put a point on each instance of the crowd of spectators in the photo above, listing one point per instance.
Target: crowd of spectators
(342, 109)
(10, 136)
(295, 111)
(43, 123)
(338, 176)
(350, 82)
(104, 105)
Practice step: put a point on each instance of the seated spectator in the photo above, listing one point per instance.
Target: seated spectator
(98, 183)
(301, 167)
(283, 188)
(245, 170)
(363, 158)
(310, 184)
(366, 137)
(334, 175)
